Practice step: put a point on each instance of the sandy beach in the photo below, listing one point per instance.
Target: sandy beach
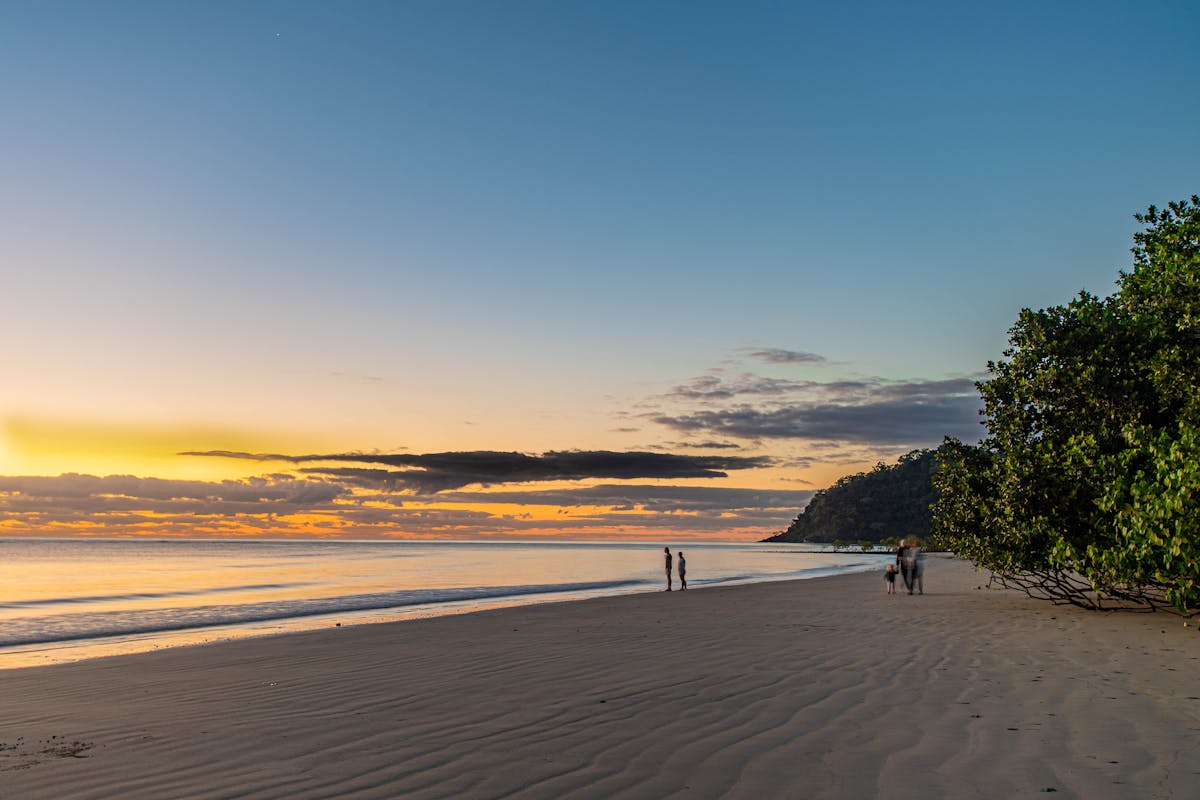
(825, 688)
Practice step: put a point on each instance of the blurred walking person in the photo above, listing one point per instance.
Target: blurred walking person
(913, 559)
(902, 564)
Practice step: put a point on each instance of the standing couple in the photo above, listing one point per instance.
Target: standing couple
(682, 570)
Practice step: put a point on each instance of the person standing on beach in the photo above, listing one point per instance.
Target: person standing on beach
(667, 550)
(682, 572)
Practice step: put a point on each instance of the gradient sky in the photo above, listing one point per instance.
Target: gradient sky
(542, 268)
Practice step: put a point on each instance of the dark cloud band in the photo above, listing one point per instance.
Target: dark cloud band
(433, 472)
(870, 411)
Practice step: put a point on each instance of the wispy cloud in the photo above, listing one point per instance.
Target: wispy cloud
(776, 355)
(716, 387)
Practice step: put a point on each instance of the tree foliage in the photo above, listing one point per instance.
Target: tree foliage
(1087, 485)
(889, 501)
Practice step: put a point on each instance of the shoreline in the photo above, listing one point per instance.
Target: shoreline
(41, 654)
(824, 687)
(84, 622)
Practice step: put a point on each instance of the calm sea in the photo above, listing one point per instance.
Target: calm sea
(66, 600)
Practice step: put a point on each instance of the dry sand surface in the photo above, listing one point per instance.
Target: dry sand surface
(819, 688)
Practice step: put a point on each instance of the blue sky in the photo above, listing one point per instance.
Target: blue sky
(448, 227)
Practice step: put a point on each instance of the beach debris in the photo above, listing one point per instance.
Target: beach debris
(62, 749)
(23, 755)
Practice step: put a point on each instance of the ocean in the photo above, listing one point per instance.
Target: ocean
(73, 599)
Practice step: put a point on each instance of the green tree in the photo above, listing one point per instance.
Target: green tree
(1083, 488)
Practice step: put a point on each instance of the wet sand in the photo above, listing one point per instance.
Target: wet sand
(825, 688)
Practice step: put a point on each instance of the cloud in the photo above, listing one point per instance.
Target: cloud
(357, 476)
(286, 506)
(661, 499)
(434, 472)
(717, 387)
(713, 445)
(122, 503)
(775, 355)
(262, 490)
(871, 411)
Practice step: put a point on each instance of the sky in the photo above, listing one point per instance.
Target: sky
(525, 269)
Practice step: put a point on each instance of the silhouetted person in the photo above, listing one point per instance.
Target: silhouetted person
(682, 572)
(667, 550)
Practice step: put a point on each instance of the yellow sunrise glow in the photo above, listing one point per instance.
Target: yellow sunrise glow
(35, 445)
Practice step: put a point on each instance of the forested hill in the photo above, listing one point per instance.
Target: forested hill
(890, 501)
